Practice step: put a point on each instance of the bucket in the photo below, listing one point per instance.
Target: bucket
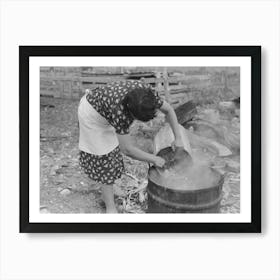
(163, 198)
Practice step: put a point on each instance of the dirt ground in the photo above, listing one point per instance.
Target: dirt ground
(64, 186)
(65, 189)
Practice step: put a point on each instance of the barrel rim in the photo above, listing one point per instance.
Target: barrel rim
(219, 183)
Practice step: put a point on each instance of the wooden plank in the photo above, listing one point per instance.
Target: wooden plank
(175, 92)
(165, 84)
(90, 74)
(160, 80)
(49, 86)
(101, 79)
(153, 80)
(112, 78)
(178, 87)
(60, 78)
(179, 96)
(177, 79)
(47, 92)
(140, 75)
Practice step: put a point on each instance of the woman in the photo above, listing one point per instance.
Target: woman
(105, 115)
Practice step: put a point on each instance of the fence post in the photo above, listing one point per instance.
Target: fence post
(166, 86)
(158, 83)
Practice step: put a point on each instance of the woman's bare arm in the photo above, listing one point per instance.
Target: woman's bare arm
(172, 120)
(130, 150)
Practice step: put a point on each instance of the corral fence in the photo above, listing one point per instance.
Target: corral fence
(176, 88)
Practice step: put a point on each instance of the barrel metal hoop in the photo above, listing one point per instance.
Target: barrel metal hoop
(184, 206)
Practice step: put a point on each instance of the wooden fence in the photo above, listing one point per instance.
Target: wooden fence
(175, 89)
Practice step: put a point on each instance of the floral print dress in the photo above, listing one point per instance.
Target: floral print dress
(101, 117)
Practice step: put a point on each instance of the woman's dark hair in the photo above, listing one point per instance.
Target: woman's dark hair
(141, 104)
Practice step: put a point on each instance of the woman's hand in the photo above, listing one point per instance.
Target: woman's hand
(158, 161)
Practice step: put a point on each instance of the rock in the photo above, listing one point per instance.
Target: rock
(59, 171)
(59, 189)
(60, 179)
(76, 187)
(53, 170)
(50, 150)
(65, 192)
(52, 173)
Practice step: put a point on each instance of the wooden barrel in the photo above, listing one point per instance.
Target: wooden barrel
(164, 199)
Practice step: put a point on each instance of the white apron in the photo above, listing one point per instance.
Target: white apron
(97, 136)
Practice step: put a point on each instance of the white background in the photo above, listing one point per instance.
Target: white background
(138, 256)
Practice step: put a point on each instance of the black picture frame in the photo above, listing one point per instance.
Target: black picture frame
(25, 52)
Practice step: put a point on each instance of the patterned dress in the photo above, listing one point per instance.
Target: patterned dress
(106, 167)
